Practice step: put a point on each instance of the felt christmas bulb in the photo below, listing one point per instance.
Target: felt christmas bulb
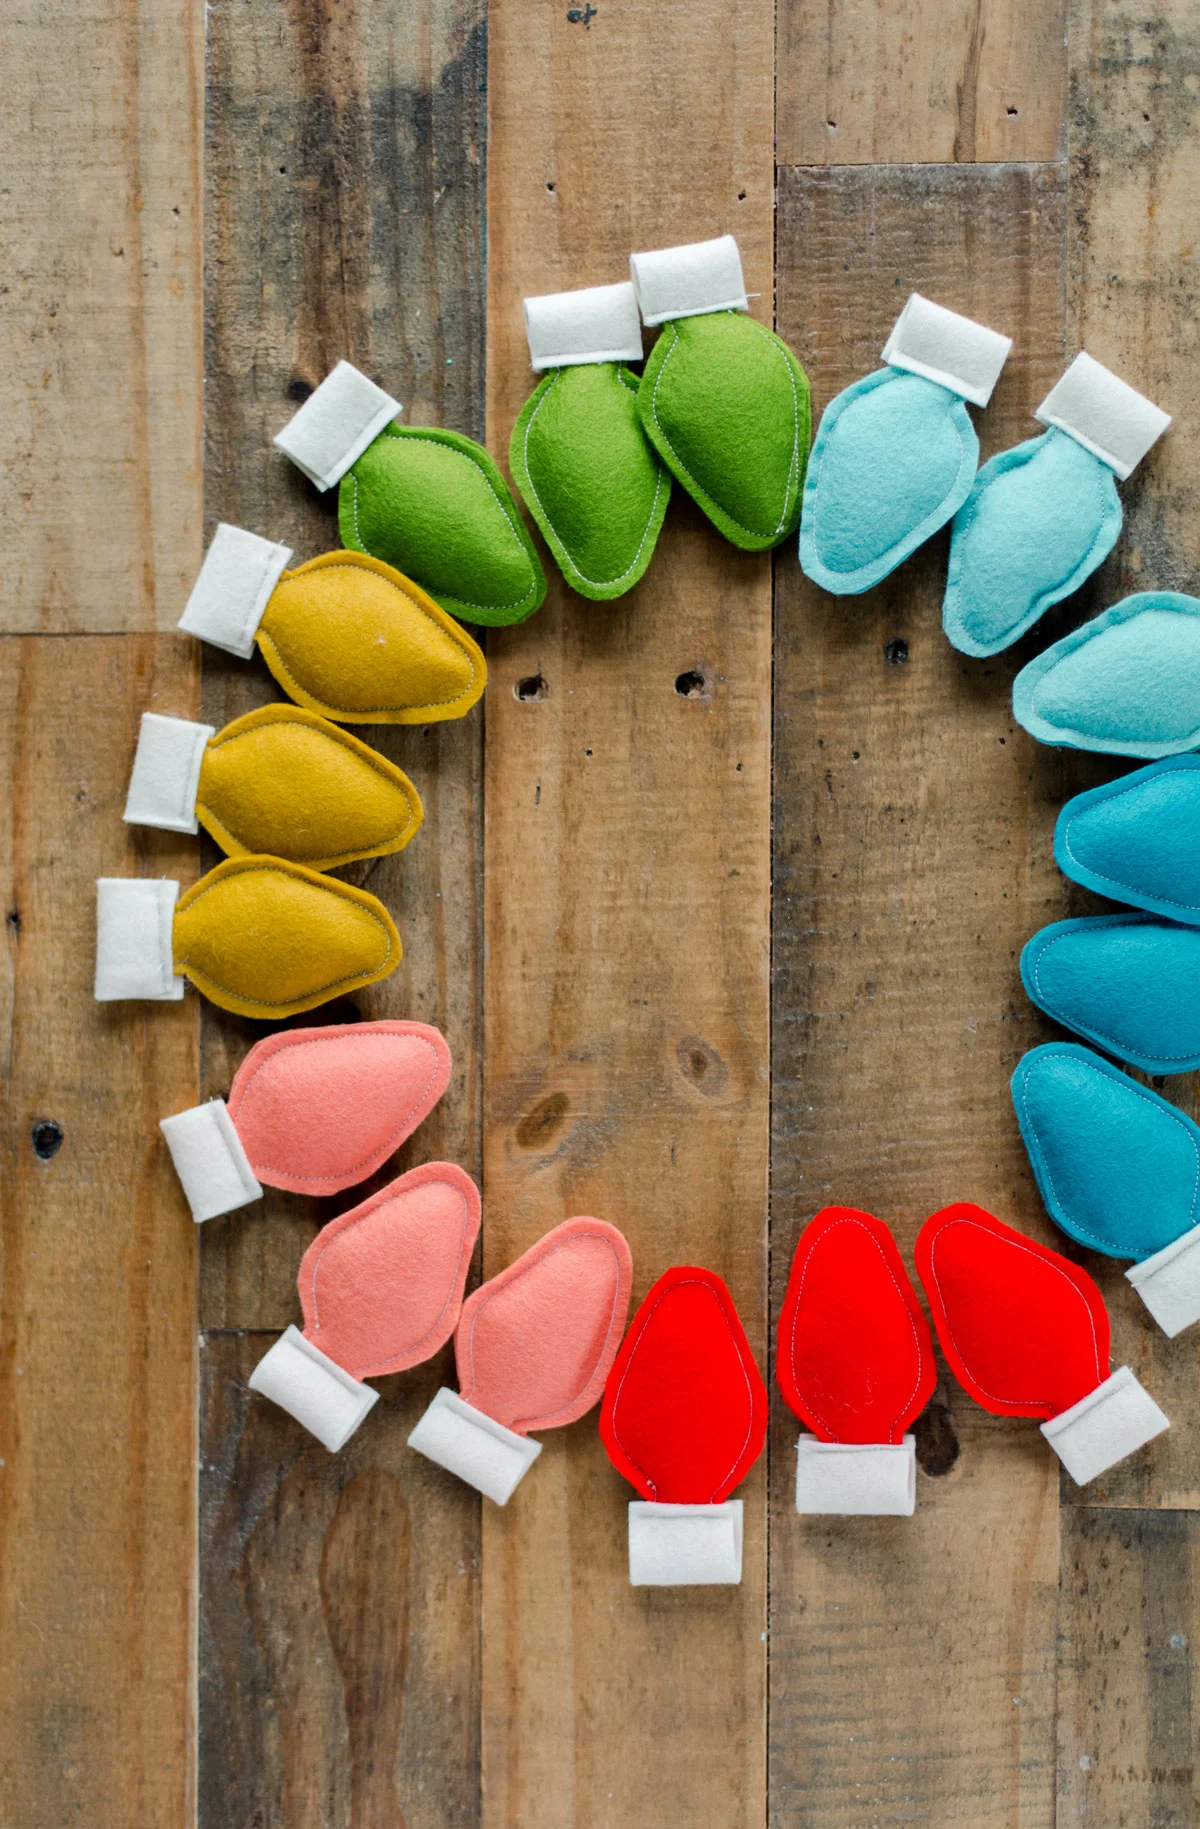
(1128, 982)
(1137, 839)
(684, 1419)
(310, 1110)
(1118, 1169)
(1127, 683)
(429, 502)
(1041, 517)
(345, 635)
(896, 453)
(380, 1290)
(723, 400)
(280, 781)
(855, 1363)
(578, 454)
(257, 935)
(1026, 1333)
(533, 1347)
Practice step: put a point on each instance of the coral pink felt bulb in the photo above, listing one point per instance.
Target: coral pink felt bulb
(381, 1286)
(855, 1355)
(685, 1409)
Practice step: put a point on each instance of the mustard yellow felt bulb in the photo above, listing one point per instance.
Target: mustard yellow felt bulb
(351, 637)
(263, 937)
(286, 782)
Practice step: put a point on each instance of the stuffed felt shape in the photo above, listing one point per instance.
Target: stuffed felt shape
(684, 1419)
(310, 1110)
(280, 781)
(855, 1363)
(722, 399)
(1128, 982)
(1137, 839)
(1026, 1333)
(429, 502)
(257, 935)
(1041, 517)
(380, 1290)
(345, 635)
(578, 453)
(1127, 683)
(1118, 1169)
(533, 1348)
(896, 453)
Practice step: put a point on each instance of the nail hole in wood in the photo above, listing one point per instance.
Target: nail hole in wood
(895, 652)
(1012, 112)
(47, 1139)
(690, 685)
(533, 686)
(298, 389)
(14, 920)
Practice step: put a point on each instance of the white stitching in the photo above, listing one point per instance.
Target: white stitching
(1106, 921)
(1131, 787)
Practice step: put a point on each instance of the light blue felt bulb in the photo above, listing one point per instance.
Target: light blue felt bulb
(1128, 982)
(896, 453)
(1118, 1169)
(1040, 518)
(1137, 839)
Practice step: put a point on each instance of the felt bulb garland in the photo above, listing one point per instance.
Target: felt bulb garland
(427, 501)
(855, 1362)
(1128, 982)
(309, 1110)
(1137, 839)
(380, 1290)
(1026, 1333)
(578, 453)
(684, 1419)
(345, 635)
(533, 1348)
(280, 781)
(257, 935)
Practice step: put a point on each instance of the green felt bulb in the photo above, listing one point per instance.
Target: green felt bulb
(434, 505)
(588, 476)
(725, 404)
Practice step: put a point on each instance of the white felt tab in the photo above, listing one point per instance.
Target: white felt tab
(209, 1160)
(1169, 1282)
(856, 1479)
(686, 282)
(685, 1546)
(336, 424)
(239, 573)
(135, 920)
(954, 351)
(166, 773)
(313, 1388)
(595, 324)
(478, 1449)
(1112, 1421)
(1103, 414)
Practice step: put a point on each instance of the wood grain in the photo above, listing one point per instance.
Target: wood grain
(919, 81)
(627, 920)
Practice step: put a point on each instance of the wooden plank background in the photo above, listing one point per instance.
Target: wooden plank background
(770, 926)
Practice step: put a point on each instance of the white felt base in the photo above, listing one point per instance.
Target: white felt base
(166, 773)
(685, 1546)
(478, 1449)
(686, 282)
(1169, 1282)
(954, 351)
(239, 573)
(209, 1160)
(135, 919)
(313, 1388)
(336, 424)
(856, 1479)
(595, 324)
(1103, 414)
(1112, 1421)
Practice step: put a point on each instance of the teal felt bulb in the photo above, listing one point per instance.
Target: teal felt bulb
(1038, 521)
(1128, 982)
(1137, 839)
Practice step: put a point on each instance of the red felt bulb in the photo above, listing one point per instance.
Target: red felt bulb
(1025, 1331)
(855, 1354)
(685, 1408)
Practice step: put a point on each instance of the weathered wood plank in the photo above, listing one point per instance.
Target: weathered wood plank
(922, 81)
(627, 921)
(912, 1662)
(100, 327)
(97, 1267)
(345, 186)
